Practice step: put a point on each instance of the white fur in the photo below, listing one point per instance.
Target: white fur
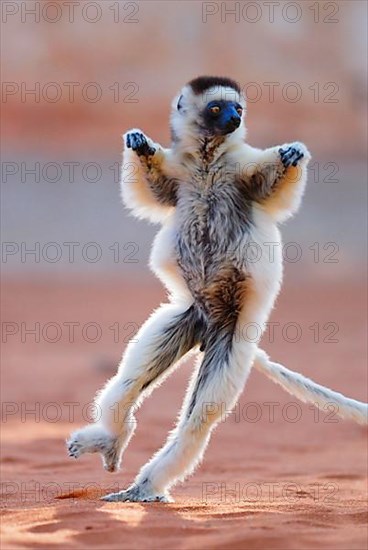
(309, 392)
(135, 192)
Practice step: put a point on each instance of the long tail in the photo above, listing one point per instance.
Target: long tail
(308, 391)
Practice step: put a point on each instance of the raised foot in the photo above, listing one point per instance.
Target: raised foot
(94, 439)
(137, 493)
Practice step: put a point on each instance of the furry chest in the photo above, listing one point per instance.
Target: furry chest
(210, 229)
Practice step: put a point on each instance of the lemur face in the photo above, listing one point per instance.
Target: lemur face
(221, 117)
(207, 107)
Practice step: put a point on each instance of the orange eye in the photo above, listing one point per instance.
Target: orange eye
(215, 109)
(239, 111)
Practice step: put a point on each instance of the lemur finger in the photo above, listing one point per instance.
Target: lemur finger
(136, 141)
(290, 153)
(290, 156)
(286, 153)
(294, 157)
(286, 156)
(298, 158)
(141, 140)
(133, 140)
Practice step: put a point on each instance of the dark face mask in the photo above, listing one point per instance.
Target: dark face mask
(222, 117)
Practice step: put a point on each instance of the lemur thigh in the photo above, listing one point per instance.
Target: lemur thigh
(162, 341)
(170, 333)
(148, 182)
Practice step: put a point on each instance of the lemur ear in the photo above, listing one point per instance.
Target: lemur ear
(180, 103)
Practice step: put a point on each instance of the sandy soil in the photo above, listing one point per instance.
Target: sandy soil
(292, 480)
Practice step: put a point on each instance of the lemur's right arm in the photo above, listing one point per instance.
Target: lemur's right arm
(148, 182)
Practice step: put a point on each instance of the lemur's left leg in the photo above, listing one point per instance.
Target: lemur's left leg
(213, 391)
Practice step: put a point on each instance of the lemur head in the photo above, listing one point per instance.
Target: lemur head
(208, 107)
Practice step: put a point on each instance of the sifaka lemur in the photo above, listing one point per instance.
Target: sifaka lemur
(215, 197)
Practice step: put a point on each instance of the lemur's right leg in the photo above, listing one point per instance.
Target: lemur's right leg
(170, 332)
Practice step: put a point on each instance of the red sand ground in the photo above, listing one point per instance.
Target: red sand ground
(264, 484)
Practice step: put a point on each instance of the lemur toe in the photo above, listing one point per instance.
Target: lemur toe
(137, 493)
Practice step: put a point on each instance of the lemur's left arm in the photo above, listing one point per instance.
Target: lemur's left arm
(148, 182)
(276, 177)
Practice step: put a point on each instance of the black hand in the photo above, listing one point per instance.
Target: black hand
(290, 156)
(138, 142)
